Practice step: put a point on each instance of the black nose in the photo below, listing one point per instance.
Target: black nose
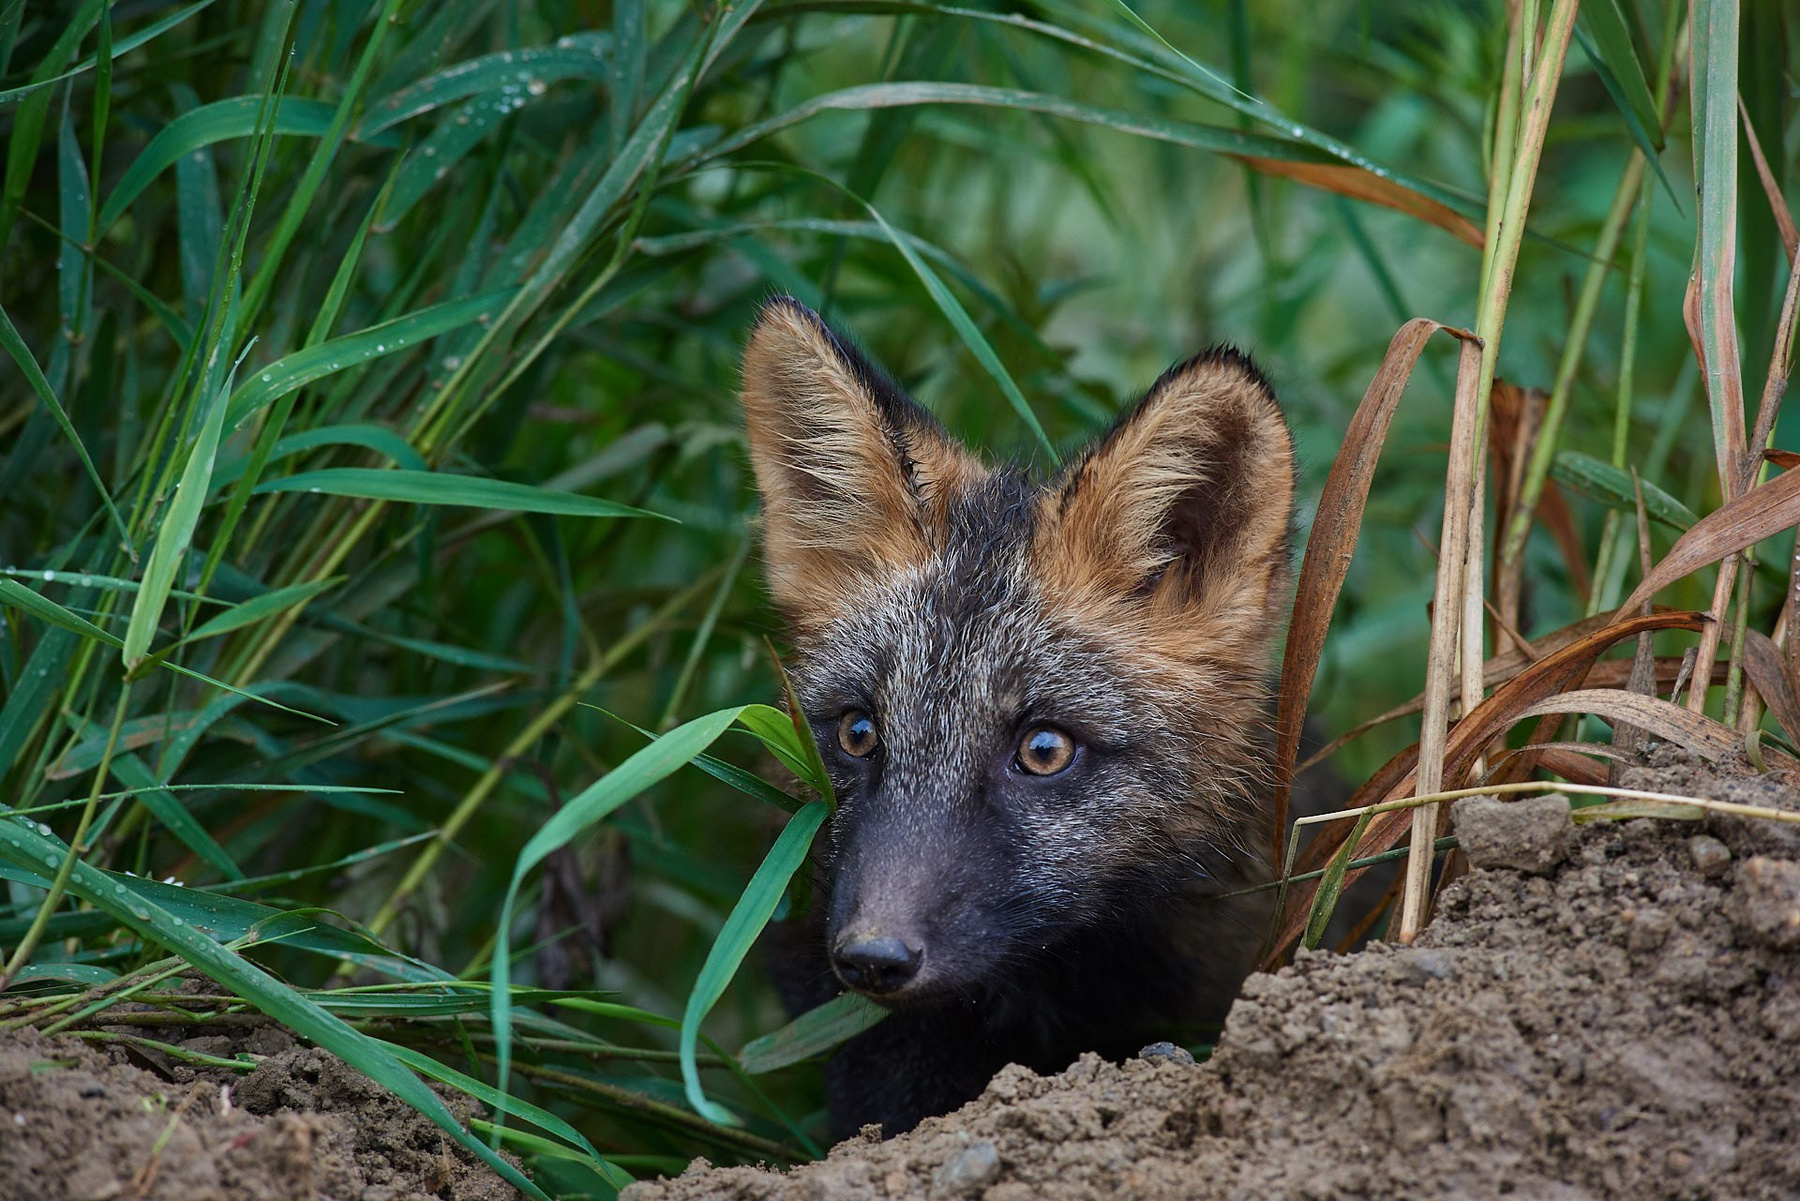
(875, 963)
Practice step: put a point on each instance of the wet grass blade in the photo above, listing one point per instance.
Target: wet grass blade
(314, 363)
(529, 70)
(444, 488)
(16, 594)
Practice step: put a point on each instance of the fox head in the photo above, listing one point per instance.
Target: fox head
(1040, 701)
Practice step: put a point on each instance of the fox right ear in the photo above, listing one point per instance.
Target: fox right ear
(854, 475)
(1180, 515)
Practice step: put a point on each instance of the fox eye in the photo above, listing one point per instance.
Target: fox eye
(1045, 750)
(856, 734)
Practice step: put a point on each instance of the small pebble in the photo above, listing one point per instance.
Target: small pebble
(1711, 857)
(1530, 834)
(1166, 1052)
(971, 1168)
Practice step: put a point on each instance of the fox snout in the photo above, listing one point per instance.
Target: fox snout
(896, 913)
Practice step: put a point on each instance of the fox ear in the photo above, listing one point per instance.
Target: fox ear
(1185, 506)
(855, 477)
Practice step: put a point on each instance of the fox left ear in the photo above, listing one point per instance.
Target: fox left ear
(1184, 505)
(855, 476)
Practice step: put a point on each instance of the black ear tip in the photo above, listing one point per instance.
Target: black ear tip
(1227, 359)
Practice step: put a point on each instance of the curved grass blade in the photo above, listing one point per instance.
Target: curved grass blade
(220, 121)
(644, 768)
(42, 607)
(444, 488)
(117, 48)
(88, 975)
(730, 774)
(129, 902)
(390, 337)
(748, 917)
(577, 56)
(378, 438)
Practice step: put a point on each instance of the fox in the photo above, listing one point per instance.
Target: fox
(1042, 700)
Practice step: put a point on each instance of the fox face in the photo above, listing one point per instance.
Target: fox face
(1040, 699)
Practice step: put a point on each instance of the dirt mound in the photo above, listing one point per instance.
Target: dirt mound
(81, 1124)
(1625, 1026)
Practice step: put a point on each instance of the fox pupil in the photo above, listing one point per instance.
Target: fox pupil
(1046, 751)
(856, 733)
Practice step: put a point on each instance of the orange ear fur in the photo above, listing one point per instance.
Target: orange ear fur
(1176, 523)
(854, 476)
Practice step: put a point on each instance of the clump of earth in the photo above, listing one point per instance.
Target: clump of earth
(1611, 1011)
(83, 1123)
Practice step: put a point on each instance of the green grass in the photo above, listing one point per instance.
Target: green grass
(368, 439)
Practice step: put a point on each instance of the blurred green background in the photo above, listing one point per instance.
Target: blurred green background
(625, 183)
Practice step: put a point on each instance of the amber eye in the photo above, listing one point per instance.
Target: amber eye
(1045, 750)
(856, 734)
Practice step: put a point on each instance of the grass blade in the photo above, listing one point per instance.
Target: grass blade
(748, 917)
(814, 1032)
(176, 534)
(444, 488)
(220, 121)
(390, 337)
(1613, 487)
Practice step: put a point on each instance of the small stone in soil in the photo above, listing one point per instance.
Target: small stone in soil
(1166, 1052)
(1711, 856)
(971, 1168)
(1530, 834)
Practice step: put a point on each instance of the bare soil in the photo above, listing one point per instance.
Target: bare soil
(1624, 1023)
(80, 1123)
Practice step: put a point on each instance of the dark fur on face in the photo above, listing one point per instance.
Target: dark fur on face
(951, 613)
